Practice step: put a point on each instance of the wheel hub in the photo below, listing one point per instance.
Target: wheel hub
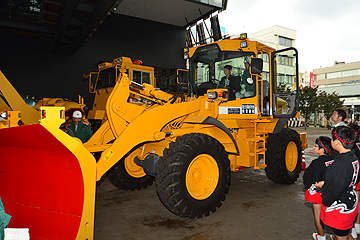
(195, 175)
(291, 156)
(202, 176)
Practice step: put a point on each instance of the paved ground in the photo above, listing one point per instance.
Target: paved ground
(255, 208)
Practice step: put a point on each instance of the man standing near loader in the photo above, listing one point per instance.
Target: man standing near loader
(79, 128)
(338, 117)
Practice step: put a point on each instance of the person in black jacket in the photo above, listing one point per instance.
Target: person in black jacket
(340, 203)
(230, 82)
(316, 173)
(356, 150)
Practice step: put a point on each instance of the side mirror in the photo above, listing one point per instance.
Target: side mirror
(92, 77)
(256, 66)
(182, 76)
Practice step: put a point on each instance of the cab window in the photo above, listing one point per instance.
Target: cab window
(240, 70)
(285, 82)
(106, 78)
(286, 73)
(207, 71)
(141, 77)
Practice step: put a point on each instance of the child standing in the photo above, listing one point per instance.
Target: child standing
(316, 173)
(340, 203)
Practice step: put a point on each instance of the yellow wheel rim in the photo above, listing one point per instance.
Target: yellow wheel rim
(132, 168)
(202, 176)
(291, 156)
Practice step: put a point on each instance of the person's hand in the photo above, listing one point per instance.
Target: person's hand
(319, 184)
(243, 90)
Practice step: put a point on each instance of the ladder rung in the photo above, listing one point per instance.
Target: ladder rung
(253, 154)
(260, 166)
(255, 140)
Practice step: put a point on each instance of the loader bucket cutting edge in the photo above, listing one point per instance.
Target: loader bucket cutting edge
(47, 182)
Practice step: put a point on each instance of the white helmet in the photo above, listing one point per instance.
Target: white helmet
(77, 114)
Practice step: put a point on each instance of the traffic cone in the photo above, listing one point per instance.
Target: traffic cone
(303, 163)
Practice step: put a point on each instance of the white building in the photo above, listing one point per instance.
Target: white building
(280, 37)
(342, 78)
(276, 37)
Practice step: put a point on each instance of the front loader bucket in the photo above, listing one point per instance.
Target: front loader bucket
(47, 182)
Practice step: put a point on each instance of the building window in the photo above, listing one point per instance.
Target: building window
(320, 77)
(285, 41)
(266, 76)
(285, 60)
(332, 75)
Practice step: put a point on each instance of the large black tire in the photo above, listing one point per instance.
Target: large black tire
(193, 176)
(126, 175)
(283, 156)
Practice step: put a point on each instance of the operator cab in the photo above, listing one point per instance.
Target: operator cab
(103, 82)
(266, 79)
(109, 72)
(207, 71)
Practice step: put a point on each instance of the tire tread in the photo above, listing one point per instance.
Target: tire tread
(170, 178)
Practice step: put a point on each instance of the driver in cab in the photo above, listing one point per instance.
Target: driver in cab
(230, 82)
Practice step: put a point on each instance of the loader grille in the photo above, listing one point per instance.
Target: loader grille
(176, 123)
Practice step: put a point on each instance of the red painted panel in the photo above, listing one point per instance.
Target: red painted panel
(41, 183)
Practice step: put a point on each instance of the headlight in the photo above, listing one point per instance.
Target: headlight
(212, 95)
(243, 44)
(186, 56)
(3, 115)
(243, 36)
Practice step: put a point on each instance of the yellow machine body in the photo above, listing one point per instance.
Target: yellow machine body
(15, 102)
(12, 119)
(10, 99)
(102, 83)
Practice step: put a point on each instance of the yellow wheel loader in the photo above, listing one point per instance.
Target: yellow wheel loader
(102, 83)
(190, 146)
(10, 119)
(189, 143)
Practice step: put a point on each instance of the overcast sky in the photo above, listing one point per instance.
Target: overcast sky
(327, 30)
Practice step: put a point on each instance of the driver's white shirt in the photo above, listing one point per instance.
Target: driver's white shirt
(340, 124)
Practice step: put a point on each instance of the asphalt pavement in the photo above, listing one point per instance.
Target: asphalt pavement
(255, 208)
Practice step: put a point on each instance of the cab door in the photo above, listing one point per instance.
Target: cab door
(285, 83)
